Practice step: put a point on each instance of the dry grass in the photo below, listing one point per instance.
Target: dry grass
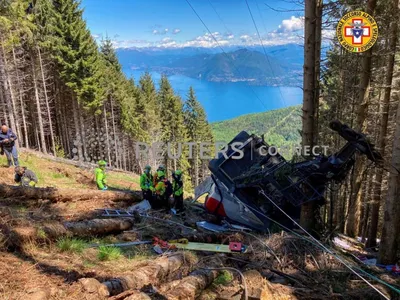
(57, 174)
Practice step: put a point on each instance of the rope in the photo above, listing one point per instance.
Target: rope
(265, 52)
(322, 246)
(167, 221)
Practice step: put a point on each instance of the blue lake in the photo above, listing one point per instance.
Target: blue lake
(226, 100)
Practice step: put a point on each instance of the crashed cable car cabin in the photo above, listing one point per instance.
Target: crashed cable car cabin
(244, 191)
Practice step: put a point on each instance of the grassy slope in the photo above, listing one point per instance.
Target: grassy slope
(281, 127)
(62, 175)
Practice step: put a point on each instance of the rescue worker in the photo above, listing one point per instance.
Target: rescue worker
(163, 191)
(7, 144)
(100, 173)
(160, 168)
(147, 185)
(25, 177)
(177, 189)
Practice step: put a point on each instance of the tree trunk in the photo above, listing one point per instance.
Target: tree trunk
(64, 195)
(38, 108)
(152, 273)
(21, 103)
(391, 226)
(19, 236)
(7, 87)
(363, 100)
(107, 136)
(375, 206)
(318, 39)
(46, 98)
(78, 143)
(82, 131)
(308, 210)
(116, 150)
(189, 287)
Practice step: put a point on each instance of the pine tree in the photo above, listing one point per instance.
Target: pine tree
(173, 131)
(199, 131)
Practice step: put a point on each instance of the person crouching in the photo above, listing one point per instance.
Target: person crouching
(25, 177)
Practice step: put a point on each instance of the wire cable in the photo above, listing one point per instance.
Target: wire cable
(322, 246)
(265, 52)
(315, 244)
(222, 49)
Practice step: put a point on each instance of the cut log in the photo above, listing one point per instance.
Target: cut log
(138, 296)
(152, 273)
(65, 195)
(91, 227)
(20, 235)
(94, 288)
(258, 288)
(189, 287)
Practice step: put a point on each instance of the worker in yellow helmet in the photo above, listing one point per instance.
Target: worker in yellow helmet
(155, 177)
(147, 185)
(100, 173)
(163, 190)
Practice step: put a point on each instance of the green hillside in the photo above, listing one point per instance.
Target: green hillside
(281, 127)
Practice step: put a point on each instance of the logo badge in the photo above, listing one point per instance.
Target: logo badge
(357, 31)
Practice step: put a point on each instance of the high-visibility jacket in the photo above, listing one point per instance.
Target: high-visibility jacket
(164, 188)
(28, 178)
(177, 187)
(160, 188)
(100, 178)
(146, 182)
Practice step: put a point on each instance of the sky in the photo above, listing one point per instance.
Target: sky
(174, 24)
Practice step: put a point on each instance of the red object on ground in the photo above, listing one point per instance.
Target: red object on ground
(162, 244)
(235, 247)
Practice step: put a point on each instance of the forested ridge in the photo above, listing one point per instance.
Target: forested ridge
(281, 127)
(64, 94)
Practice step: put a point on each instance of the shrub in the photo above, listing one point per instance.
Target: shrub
(108, 253)
(71, 245)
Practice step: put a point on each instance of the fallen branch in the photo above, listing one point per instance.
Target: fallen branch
(152, 273)
(65, 195)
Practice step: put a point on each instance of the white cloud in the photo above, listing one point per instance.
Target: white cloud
(167, 43)
(288, 32)
(130, 43)
(245, 38)
(160, 32)
(292, 24)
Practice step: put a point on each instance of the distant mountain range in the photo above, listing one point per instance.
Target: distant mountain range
(281, 66)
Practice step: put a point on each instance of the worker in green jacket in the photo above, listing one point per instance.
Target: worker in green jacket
(155, 177)
(163, 190)
(177, 188)
(100, 173)
(147, 185)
